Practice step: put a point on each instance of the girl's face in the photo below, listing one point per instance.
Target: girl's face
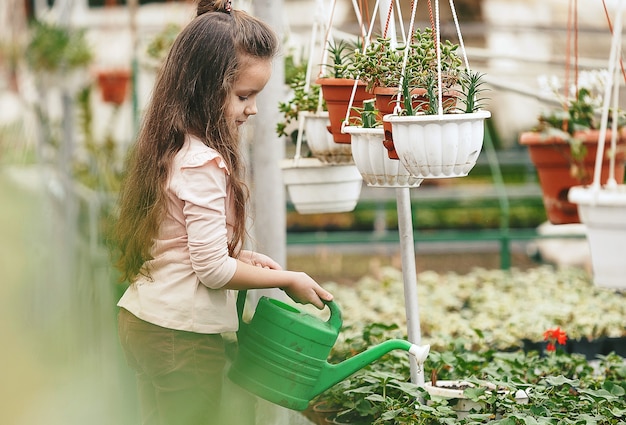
(254, 75)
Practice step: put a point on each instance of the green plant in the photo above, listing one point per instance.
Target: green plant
(341, 59)
(53, 48)
(368, 115)
(301, 100)
(579, 111)
(380, 65)
(160, 45)
(472, 88)
(560, 388)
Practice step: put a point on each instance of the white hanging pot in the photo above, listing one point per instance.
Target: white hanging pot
(321, 142)
(603, 212)
(372, 161)
(438, 146)
(454, 390)
(315, 187)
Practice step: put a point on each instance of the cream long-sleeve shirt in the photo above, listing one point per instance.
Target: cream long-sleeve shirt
(191, 261)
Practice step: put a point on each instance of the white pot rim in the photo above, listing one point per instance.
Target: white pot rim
(423, 118)
(595, 195)
(310, 163)
(351, 129)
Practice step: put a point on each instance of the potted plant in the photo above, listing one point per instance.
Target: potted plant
(55, 52)
(370, 156)
(114, 84)
(442, 140)
(305, 107)
(338, 82)
(380, 67)
(563, 145)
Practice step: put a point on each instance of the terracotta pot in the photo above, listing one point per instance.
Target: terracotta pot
(386, 102)
(114, 84)
(552, 159)
(336, 93)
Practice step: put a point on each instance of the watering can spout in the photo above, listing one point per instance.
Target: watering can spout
(335, 373)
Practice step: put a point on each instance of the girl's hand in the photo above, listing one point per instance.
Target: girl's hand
(259, 260)
(304, 290)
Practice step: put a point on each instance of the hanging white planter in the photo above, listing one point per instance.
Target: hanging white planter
(438, 146)
(372, 161)
(603, 212)
(321, 142)
(315, 187)
(602, 209)
(454, 390)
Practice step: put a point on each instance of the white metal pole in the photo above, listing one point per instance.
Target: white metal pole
(409, 276)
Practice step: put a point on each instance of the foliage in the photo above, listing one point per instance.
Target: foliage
(160, 45)
(341, 59)
(54, 48)
(368, 114)
(380, 65)
(472, 87)
(579, 111)
(100, 168)
(559, 388)
(301, 100)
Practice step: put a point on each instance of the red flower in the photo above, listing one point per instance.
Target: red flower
(553, 337)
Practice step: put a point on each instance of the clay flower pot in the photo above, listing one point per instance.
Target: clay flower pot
(337, 93)
(553, 161)
(114, 85)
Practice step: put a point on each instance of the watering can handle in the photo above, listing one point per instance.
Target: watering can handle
(335, 320)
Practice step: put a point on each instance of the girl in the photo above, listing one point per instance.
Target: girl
(182, 217)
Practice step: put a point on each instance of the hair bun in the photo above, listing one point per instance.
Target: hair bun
(205, 6)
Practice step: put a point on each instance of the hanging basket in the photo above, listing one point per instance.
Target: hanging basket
(438, 146)
(603, 211)
(315, 187)
(552, 159)
(320, 140)
(372, 161)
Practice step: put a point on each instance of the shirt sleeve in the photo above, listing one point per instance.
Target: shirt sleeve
(202, 185)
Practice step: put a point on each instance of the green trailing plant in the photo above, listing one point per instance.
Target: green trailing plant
(301, 100)
(54, 48)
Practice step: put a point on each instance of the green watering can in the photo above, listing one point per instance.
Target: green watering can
(282, 353)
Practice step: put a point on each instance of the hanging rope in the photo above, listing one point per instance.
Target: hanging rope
(608, 20)
(388, 20)
(572, 27)
(458, 34)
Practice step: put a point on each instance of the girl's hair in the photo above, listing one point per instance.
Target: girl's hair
(190, 97)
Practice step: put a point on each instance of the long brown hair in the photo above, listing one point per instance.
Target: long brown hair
(189, 97)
